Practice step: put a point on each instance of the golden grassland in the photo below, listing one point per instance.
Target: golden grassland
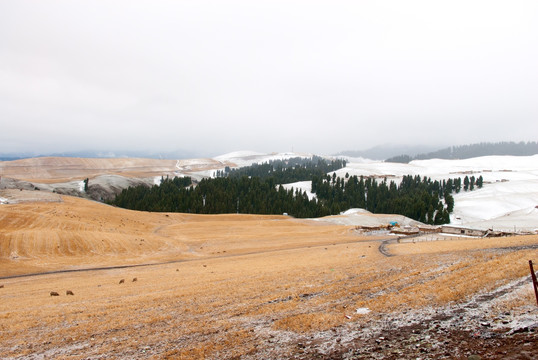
(47, 169)
(77, 233)
(231, 281)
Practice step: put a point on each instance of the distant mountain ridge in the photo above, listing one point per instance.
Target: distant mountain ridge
(179, 154)
(472, 151)
(386, 152)
(382, 152)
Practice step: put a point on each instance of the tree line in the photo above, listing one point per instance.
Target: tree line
(474, 150)
(286, 171)
(220, 196)
(422, 199)
(418, 198)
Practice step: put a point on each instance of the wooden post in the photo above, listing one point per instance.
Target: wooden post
(534, 281)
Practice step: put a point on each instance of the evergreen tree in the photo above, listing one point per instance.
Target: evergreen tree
(480, 182)
(419, 198)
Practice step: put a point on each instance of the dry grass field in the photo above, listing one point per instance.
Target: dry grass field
(57, 169)
(251, 287)
(60, 169)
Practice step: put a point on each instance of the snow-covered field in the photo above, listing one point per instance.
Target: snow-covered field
(508, 200)
(247, 158)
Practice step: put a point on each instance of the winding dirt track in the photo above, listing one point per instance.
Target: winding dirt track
(205, 259)
(383, 247)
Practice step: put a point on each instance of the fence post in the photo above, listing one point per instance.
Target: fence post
(534, 281)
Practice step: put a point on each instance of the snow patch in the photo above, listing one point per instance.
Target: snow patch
(355, 211)
(507, 200)
(303, 186)
(247, 158)
(238, 155)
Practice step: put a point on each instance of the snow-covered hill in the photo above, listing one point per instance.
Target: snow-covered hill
(247, 158)
(508, 200)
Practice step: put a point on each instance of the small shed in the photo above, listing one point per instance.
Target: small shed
(429, 228)
(406, 231)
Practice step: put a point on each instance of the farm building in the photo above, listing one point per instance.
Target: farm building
(407, 230)
(462, 231)
(424, 228)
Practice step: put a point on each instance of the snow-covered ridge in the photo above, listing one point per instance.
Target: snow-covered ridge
(238, 155)
(247, 158)
(508, 201)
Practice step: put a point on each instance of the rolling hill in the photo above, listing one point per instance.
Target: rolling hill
(507, 201)
(180, 286)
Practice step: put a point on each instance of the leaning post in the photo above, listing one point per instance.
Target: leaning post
(534, 281)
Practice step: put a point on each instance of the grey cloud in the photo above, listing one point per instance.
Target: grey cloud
(217, 76)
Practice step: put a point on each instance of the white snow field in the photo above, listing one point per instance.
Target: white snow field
(247, 158)
(508, 200)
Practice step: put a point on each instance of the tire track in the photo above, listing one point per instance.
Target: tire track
(382, 249)
(128, 266)
(384, 243)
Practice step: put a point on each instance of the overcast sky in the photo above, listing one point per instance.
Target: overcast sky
(221, 76)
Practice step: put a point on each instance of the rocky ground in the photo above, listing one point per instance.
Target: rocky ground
(101, 188)
(477, 329)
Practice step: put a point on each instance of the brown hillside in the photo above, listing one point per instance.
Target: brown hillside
(74, 232)
(251, 287)
(60, 169)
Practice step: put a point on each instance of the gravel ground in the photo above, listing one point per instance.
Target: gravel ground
(477, 329)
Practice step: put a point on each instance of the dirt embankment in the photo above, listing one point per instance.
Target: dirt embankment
(107, 177)
(60, 169)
